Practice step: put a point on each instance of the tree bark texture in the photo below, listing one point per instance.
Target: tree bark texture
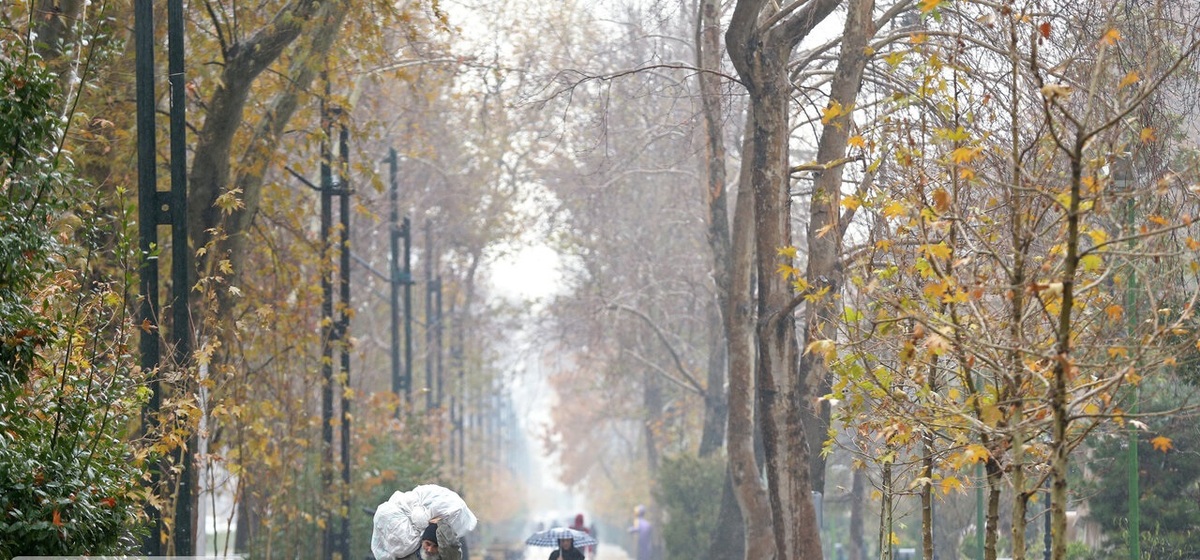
(743, 466)
(760, 55)
(708, 57)
(824, 268)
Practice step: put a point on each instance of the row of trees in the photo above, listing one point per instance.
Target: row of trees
(268, 86)
(978, 280)
(908, 240)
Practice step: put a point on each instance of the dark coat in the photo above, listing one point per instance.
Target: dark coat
(568, 554)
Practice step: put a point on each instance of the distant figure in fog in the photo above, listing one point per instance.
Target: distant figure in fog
(579, 526)
(566, 551)
(645, 534)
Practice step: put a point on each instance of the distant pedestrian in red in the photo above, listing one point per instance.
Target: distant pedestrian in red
(579, 526)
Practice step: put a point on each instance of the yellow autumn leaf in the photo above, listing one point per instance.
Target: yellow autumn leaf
(991, 414)
(895, 208)
(950, 484)
(1114, 312)
(895, 58)
(789, 252)
(965, 154)
(851, 202)
(824, 347)
(1099, 236)
(976, 453)
(833, 111)
(1111, 37)
(1054, 91)
(1147, 134)
(940, 250)
(935, 289)
(1091, 263)
(1130, 79)
(1161, 443)
(856, 141)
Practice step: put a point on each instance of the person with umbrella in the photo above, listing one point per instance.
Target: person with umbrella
(566, 550)
(564, 540)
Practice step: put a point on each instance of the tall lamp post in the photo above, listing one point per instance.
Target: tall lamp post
(1123, 179)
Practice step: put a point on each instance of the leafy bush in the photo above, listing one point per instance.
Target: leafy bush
(69, 480)
(689, 491)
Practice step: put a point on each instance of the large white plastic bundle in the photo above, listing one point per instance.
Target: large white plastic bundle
(400, 520)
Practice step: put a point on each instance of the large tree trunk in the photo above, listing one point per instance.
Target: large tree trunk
(739, 317)
(760, 55)
(728, 537)
(825, 227)
(708, 57)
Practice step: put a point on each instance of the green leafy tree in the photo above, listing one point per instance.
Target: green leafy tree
(1169, 487)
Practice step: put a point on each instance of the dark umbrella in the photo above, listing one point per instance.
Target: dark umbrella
(550, 537)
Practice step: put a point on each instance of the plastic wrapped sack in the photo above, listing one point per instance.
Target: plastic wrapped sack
(396, 532)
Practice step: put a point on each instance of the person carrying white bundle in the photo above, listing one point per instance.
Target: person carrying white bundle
(424, 523)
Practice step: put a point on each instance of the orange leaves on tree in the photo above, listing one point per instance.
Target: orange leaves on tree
(1147, 135)
(1044, 29)
(1161, 443)
(1130, 79)
(1111, 37)
(929, 5)
(941, 200)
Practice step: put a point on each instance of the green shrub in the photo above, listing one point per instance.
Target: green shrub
(689, 491)
(69, 478)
